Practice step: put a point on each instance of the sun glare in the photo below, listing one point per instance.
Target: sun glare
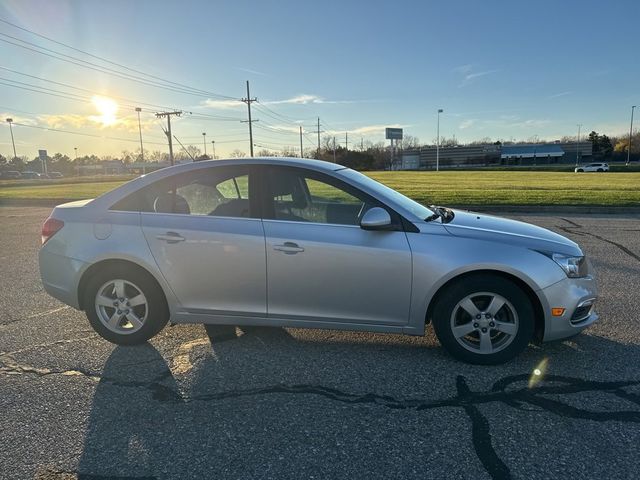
(107, 109)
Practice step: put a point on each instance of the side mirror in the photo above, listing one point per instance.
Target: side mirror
(376, 218)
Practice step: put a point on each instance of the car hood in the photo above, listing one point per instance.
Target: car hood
(512, 232)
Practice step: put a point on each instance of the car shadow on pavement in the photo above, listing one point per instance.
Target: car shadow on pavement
(244, 404)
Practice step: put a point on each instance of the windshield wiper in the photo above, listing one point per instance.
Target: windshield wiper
(446, 214)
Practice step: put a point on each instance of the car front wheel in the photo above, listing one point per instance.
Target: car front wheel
(125, 306)
(484, 320)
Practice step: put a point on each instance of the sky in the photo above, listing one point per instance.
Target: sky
(498, 69)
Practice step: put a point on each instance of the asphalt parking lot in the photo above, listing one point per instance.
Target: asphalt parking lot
(287, 403)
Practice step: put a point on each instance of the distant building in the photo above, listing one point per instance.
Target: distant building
(482, 155)
(531, 154)
(425, 158)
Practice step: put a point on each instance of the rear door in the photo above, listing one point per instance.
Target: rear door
(321, 266)
(205, 233)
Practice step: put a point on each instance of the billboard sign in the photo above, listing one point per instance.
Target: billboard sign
(393, 133)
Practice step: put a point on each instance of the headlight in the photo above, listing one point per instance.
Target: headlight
(574, 267)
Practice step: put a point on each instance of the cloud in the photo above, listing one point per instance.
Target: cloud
(67, 120)
(283, 128)
(252, 72)
(17, 119)
(222, 104)
(513, 121)
(469, 74)
(304, 99)
(561, 94)
(373, 129)
(467, 123)
(466, 68)
(301, 99)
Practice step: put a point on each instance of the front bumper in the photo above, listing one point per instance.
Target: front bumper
(60, 276)
(572, 294)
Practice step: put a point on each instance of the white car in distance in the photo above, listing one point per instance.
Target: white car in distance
(592, 167)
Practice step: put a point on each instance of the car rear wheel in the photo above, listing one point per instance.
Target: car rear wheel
(600, 170)
(125, 306)
(484, 320)
(580, 170)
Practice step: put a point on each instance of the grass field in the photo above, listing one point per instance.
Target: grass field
(469, 188)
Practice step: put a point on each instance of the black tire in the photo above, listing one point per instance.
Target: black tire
(157, 315)
(580, 170)
(600, 170)
(448, 301)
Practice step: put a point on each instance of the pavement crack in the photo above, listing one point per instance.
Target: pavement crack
(481, 436)
(57, 474)
(571, 222)
(572, 230)
(512, 391)
(615, 244)
(9, 366)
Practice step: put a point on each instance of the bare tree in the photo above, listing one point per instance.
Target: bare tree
(408, 142)
(237, 153)
(265, 152)
(290, 152)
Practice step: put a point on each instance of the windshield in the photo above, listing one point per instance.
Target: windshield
(412, 206)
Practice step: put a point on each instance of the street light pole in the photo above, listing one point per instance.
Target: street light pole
(10, 121)
(138, 109)
(438, 142)
(213, 146)
(204, 142)
(630, 133)
(76, 161)
(578, 144)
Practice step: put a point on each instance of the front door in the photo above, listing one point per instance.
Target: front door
(321, 266)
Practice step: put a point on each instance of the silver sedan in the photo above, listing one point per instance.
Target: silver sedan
(305, 243)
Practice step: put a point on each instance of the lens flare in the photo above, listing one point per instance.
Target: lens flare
(538, 373)
(107, 109)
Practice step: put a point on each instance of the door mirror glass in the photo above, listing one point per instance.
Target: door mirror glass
(376, 218)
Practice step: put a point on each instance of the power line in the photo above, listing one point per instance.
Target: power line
(85, 99)
(109, 61)
(51, 129)
(101, 69)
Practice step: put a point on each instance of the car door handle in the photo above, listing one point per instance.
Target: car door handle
(289, 248)
(171, 237)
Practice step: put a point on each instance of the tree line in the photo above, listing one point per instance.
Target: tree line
(365, 155)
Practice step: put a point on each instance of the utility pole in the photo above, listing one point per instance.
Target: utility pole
(10, 121)
(138, 109)
(301, 152)
(249, 101)
(213, 146)
(346, 141)
(362, 144)
(334, 149)
(76, 162)
(578, 144)
(168, 130)
(204, 142)
(438, 142)
(318, 131)
(630, 133)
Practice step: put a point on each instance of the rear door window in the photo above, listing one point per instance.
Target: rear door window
(216, 191)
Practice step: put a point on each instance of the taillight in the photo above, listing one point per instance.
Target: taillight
(50, 228)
